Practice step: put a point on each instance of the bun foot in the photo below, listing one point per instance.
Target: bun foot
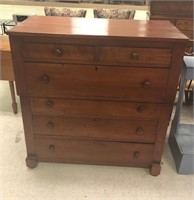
(155, 169)
(31, 162)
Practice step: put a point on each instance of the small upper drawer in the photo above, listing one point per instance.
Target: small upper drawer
(184, 24)
(120, 55)
(57, 52)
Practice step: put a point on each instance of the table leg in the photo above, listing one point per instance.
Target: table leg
(14, 103)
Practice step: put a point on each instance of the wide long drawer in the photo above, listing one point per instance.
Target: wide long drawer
(89, 108)
(86, 81)
(93, 152)
(97, 128)
(57, 52)
(122, 55)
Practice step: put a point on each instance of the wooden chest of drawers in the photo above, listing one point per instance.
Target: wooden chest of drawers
(96, 91)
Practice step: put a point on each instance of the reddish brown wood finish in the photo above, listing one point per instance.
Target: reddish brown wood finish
(99, 82)
(98, 95)
(96, 108)
(97, 128)
(94, 152)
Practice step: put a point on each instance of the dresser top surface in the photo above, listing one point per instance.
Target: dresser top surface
(112, 28)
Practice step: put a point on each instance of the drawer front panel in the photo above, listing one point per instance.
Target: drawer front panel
(93, 152)
(84, 108)
(97, 128)
(96, 82)
(119, 55)
(57, 52)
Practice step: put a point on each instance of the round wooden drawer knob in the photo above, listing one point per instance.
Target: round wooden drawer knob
(136, 154)
(51, 147)
(134, 56)
(58, 52)
(146, 84)
(45, 79)
(50, 104)
(50, 124)
(139, 131)
(140, 109)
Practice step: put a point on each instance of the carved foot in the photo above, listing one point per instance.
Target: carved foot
(31, 162)
(155, 169)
